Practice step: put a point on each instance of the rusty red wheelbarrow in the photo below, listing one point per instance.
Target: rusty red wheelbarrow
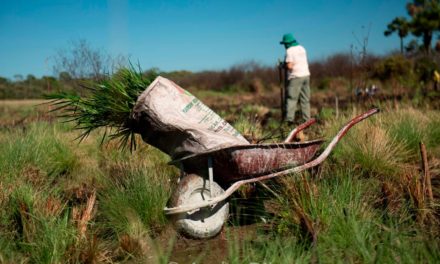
(199, 206)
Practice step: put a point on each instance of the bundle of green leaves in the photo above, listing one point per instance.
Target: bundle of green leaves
(108, 104)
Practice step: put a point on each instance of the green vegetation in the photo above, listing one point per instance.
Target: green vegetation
(39, 148)
(108, 105)
(61, 201)
(33, 220)
(135, 193)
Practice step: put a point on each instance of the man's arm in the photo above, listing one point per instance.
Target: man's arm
(289, 65)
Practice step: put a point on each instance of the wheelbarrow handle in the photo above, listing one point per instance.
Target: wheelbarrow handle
(299, 128)
(238, 184)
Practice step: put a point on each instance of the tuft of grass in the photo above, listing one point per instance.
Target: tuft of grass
(370, 148)
(55, 237)
(433, 130)
(326, 113)
(408, 127)
(250, 129)
(133, 204)
(109, 105)
(39, 230)
(38, 152)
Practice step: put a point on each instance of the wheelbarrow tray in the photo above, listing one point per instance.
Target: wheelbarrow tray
(247, 161)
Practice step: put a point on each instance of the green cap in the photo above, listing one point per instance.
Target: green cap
(288, 39)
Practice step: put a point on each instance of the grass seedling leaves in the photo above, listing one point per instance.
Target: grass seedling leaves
(108, 104)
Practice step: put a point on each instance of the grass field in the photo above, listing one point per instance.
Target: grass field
(65, 202)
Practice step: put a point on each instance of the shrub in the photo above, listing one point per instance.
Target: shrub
(392, 67)
(424, 68)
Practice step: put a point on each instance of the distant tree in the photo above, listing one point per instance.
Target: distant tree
(3, 80)
(425, 21)
(401, 26)
(412, 47)
(81, 61)
(151, 73)
(49, 84)
(64, 76)
(424, 68)
(18, 77)
(30, 78)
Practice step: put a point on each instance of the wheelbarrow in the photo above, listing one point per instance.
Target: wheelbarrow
(199, 206)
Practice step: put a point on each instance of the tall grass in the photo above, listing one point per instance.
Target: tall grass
(135, 203)
(40, 149)
(433, 132)
(32, 216)
(372, 151)
(386, 144)
(45, 182)
(40, 225)
(132, 197)
(335, 220)
(251, 130)
(409, 128)
(55, 237)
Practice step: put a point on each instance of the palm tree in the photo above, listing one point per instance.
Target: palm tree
(425, 21)
(401, 26)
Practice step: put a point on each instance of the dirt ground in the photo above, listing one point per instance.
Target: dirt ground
(214, 250)
(16, 113)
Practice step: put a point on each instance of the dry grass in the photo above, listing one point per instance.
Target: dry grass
(370, 149)
(24, 102)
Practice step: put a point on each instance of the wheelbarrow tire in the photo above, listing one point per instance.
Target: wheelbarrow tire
(204, 222)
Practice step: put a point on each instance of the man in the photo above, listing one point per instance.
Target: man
(298, 80)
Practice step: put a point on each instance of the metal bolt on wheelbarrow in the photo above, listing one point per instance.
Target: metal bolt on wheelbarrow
(199, 204)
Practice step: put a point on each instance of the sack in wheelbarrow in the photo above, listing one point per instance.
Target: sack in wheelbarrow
(176, 122)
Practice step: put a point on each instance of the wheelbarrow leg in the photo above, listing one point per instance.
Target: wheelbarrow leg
(210, 174)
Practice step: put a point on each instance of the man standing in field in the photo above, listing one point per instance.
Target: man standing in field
(298, 80)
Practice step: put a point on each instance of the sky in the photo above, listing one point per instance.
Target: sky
(189, 35)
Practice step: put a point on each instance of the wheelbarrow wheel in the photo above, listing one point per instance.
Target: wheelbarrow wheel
(204, 222)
